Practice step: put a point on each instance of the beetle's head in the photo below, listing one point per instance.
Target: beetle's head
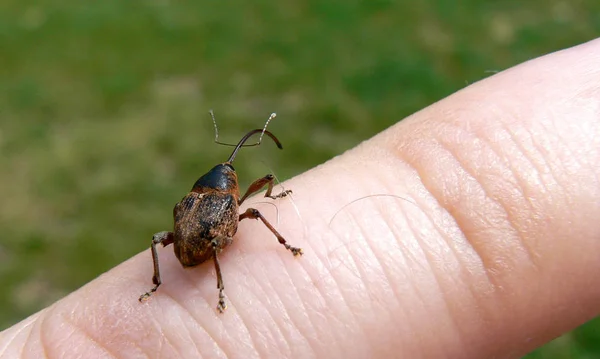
(222, 177)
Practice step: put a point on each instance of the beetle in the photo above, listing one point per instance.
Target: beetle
(207, 218)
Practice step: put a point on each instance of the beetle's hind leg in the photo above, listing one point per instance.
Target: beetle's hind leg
(255, 214)
(259, 184)
(222, 305)
(164, 238)
(218, 243)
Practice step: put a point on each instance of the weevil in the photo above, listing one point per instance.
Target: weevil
(207, 218)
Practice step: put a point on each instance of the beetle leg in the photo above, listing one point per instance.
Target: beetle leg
(222, 305)
(164, 238)
(255, 214)
(259, 184)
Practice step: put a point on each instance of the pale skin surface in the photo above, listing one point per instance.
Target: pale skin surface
(498, 253)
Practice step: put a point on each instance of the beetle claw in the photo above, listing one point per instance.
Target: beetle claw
(222, 306)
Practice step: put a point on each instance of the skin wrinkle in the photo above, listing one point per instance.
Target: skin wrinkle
(546, 187)
(247, 328)
(360, 276)
(366, 248)
(21, 354)
(519, 144)
(497, 258)
(43, 343)
(27, 325)
(89, 336)
(522, 157)
(372, 247)
(405, 310)
(343, 309)
(286, 338)
(410, 258)
(62, 319)
(462, 276)
(293, 286)
(196, 285)
(276, 330)
(579, 161)
(591, 137)
(510, 217)
(392, 288)
(393, 228)
(428, 258)
(581, 164)
(357, 275)
(524, 189)
(330, 270)
(563, 166)
(304, 309)
(540, 154)
(285, 334)
(235, 304)
(485, 320)
(298, 332)
(295, 309)
(43, 339)
(171, 298)
(453, 320)
(461, 264)
(161, 334)
(203, 329)
(443, 234)
(386, 275)
(195, 325)
(459, 223)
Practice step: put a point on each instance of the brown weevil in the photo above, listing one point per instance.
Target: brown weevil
(207, 218)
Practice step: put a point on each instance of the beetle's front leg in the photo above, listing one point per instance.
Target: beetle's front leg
(255, 214)
(164, 238)
(259, 184)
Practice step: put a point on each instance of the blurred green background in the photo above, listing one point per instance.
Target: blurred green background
(104, 108)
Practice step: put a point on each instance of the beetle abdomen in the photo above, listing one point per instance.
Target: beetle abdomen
(200, 218)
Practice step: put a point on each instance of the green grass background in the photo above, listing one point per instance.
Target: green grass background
(104, 123)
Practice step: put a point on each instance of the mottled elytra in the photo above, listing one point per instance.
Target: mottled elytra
(206, 219)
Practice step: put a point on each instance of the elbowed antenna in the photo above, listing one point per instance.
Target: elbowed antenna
(247, 136)
(212, 115)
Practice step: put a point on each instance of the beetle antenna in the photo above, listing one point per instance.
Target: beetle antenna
(247, 136)
(212, 115)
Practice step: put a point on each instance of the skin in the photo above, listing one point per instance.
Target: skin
(495, 251)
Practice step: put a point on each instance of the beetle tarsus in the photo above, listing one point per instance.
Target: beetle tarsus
(222, 306)
(295, 250)
(144, 297)
(281, 195)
